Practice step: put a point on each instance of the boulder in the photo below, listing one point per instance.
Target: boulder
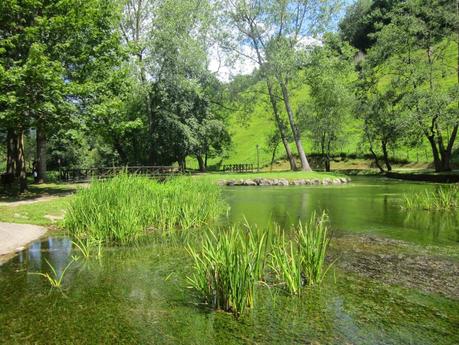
(282, 182)
(249, 182)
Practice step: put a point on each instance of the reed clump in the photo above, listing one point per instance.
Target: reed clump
(442, 198)
(127, 207)
(300, 262)
(228, 267)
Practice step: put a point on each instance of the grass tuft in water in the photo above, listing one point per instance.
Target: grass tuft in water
(301, 262)
(229, 266)
(442, 198)
(127, 207)
(54, 278)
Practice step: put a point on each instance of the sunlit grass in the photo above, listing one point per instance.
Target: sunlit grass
(442, 198)
(300, 262)
(228, 267)
(127, 207)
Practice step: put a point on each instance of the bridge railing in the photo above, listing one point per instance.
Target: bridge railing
(86, 174)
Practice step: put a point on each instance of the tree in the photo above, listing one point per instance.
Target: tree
(275, 31)
(413, 48)
(363, 20)
(329, 74)
(47, 52)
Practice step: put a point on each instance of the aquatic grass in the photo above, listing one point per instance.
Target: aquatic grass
(442, 198)
(87, 245)
(228, 267)
(301, 262)
(54, 278)
(127, 207)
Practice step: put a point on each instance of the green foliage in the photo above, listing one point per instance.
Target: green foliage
(54, 278)
(228, 267)
(301, 262)
(329, 75)
(442, 198)
(127, 207)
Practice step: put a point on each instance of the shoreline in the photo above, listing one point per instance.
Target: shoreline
(15, 237)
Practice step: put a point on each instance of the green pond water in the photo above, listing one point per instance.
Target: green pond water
(139, 295)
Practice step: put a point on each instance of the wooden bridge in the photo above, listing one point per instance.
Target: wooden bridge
(86, 174)
(239, 168)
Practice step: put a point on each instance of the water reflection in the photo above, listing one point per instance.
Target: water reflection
(368, 205)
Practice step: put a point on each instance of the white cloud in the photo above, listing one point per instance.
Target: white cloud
(226, 66)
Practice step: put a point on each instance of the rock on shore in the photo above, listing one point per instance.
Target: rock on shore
(260, 181)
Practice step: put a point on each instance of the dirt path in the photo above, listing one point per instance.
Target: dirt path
(15, 236)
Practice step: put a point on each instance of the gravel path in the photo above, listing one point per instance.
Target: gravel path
(16, 236)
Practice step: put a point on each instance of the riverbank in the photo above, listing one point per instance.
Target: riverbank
(15, 237)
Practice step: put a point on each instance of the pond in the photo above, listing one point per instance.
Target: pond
(141, 296)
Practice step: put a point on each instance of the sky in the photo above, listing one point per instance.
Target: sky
(226, 68)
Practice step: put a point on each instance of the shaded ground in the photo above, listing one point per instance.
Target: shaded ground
(432, 270)
(14, 237)
(38, 192)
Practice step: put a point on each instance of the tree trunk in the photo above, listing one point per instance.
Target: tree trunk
(11, 146)
(21, 172)
(41, 155)
(280, 126)
(272, 98)
(296, 133)
(205, 161)
(375, 157)
(386, 155)
(273, 157)
(202, 166)
(435, 153)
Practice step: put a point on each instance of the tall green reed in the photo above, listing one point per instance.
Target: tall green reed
(127, 207)
(228, 267)
(442, 198)
(301, 262)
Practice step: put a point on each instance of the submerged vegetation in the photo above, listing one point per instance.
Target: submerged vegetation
(127, 207)
(229, 266)
(442, 198)
(55, 278)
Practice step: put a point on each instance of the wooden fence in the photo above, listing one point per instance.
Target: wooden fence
(239, 168)
(86, 174)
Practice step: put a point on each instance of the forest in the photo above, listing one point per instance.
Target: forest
(157, 82)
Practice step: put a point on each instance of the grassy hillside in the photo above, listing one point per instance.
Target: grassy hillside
(252, 128)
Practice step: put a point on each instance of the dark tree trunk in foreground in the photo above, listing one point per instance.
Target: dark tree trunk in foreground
(202, 165)
(11, 148)
(41, 155)
(21, 172)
